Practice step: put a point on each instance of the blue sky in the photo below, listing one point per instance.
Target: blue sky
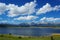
(27, 11)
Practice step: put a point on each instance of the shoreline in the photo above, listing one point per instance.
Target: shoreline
(31, 36)
(29, 27)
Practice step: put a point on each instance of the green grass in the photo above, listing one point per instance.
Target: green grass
(11, 37)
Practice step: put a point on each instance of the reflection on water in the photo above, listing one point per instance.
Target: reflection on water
(29, 31)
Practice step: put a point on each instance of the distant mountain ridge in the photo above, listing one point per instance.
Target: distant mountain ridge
(30, 25)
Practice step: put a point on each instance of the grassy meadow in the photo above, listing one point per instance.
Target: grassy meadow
(11, 37)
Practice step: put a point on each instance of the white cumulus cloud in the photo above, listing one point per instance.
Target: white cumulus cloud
(28, 8)
(50, 19)
(3, 21)
(26, 18)
(3, 8)
(15, 10)
(47, 8)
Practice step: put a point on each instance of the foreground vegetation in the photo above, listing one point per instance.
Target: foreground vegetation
(11, 37)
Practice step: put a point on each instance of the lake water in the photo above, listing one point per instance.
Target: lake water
(29, 31)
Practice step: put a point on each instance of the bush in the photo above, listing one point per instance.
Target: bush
(1, 35)
(10, 34)
(19, 37)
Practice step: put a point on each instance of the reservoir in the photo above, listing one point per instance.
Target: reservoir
(29, 31)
